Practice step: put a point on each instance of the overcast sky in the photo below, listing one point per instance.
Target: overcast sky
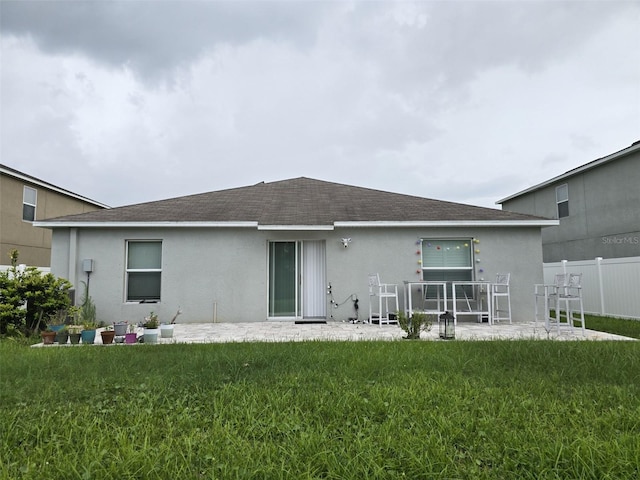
(465, 101)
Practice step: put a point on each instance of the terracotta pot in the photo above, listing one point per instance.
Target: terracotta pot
(48, 337)
(107, 336)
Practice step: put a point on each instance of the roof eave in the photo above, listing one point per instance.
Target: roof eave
(339, 224)
(49, 186)
(71, 224)
(296, 227)
(453, 223)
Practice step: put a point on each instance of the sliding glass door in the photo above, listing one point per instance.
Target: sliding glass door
(297, 279)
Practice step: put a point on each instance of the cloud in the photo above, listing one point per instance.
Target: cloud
(153, 38)
(461, 101)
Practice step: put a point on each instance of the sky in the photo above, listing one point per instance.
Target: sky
(466, 101)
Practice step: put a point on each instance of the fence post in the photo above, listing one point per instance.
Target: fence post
(600, 284)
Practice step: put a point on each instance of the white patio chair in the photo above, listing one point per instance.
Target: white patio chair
(570, 296)
(500, 290)
(383, 292)
(567, 294)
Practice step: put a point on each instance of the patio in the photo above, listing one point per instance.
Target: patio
(344, 331)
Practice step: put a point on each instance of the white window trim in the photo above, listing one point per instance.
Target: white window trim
(128, 270)
(34, 205)
(564, 186)
(431, 239)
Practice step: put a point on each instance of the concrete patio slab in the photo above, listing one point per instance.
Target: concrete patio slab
(338, 331)
(280, 331)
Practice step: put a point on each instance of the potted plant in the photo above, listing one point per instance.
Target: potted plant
(57, 321)
(120, 328)
(75, 328)
(62, 335)
(107, 335)
(87, 318)
(131, 336)
(151, 329)
(75, 333)
(48, 336)
(88, 333)
(166, 329)
(414, 325)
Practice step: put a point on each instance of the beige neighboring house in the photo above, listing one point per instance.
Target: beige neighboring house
(25, 199)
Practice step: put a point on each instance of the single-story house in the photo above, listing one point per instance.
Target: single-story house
(287, 250)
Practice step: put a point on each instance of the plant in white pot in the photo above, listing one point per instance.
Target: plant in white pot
(166, 329)
(151, 328)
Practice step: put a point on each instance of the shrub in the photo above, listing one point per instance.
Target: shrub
(415, 324)
(29, 295)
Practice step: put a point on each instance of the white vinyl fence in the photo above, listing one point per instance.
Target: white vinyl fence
(610, 287)
(22, 266)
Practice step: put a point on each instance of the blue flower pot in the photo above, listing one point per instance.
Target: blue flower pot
(88, 336)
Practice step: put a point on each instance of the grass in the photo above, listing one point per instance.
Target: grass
(502, 409)
(619, 326)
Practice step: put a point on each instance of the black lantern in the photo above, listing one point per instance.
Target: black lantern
(447, 326)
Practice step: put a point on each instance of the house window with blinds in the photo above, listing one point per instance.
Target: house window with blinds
(29, 199)
(562, 200)
(447, 260)
(144, 271)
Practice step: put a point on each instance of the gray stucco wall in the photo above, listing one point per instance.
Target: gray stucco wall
(604, 213)
(228, 267)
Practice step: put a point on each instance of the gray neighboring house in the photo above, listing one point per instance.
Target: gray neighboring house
(597, 204)
(269, 251)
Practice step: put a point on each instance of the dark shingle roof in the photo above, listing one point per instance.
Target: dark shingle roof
(299, 201)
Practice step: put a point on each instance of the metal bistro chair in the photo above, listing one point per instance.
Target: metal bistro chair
(566, 293)
(500, 289)
(383, 291)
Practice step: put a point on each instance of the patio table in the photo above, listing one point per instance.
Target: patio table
(478, 290)
(441, 300)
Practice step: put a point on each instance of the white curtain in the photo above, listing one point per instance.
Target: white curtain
(314, 279)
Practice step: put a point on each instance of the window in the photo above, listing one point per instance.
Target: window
(144, 270)
(29, 197)
(562, 199)
(447, 260)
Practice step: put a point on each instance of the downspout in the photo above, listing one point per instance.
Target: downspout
(73, 247)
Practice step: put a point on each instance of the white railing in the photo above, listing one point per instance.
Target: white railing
(610, 287)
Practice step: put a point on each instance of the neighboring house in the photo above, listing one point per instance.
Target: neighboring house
(276, 251)
(597, 204)
(25, 199)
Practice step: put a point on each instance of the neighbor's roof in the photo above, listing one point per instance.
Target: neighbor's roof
(300, 203)
(12, 172)
(635, 147)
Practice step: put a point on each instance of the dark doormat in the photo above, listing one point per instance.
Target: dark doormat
(305, 322)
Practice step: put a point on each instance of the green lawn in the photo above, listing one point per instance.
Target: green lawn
(619, 326)
(335, 410)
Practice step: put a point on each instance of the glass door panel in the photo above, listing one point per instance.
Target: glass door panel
(283, 289)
